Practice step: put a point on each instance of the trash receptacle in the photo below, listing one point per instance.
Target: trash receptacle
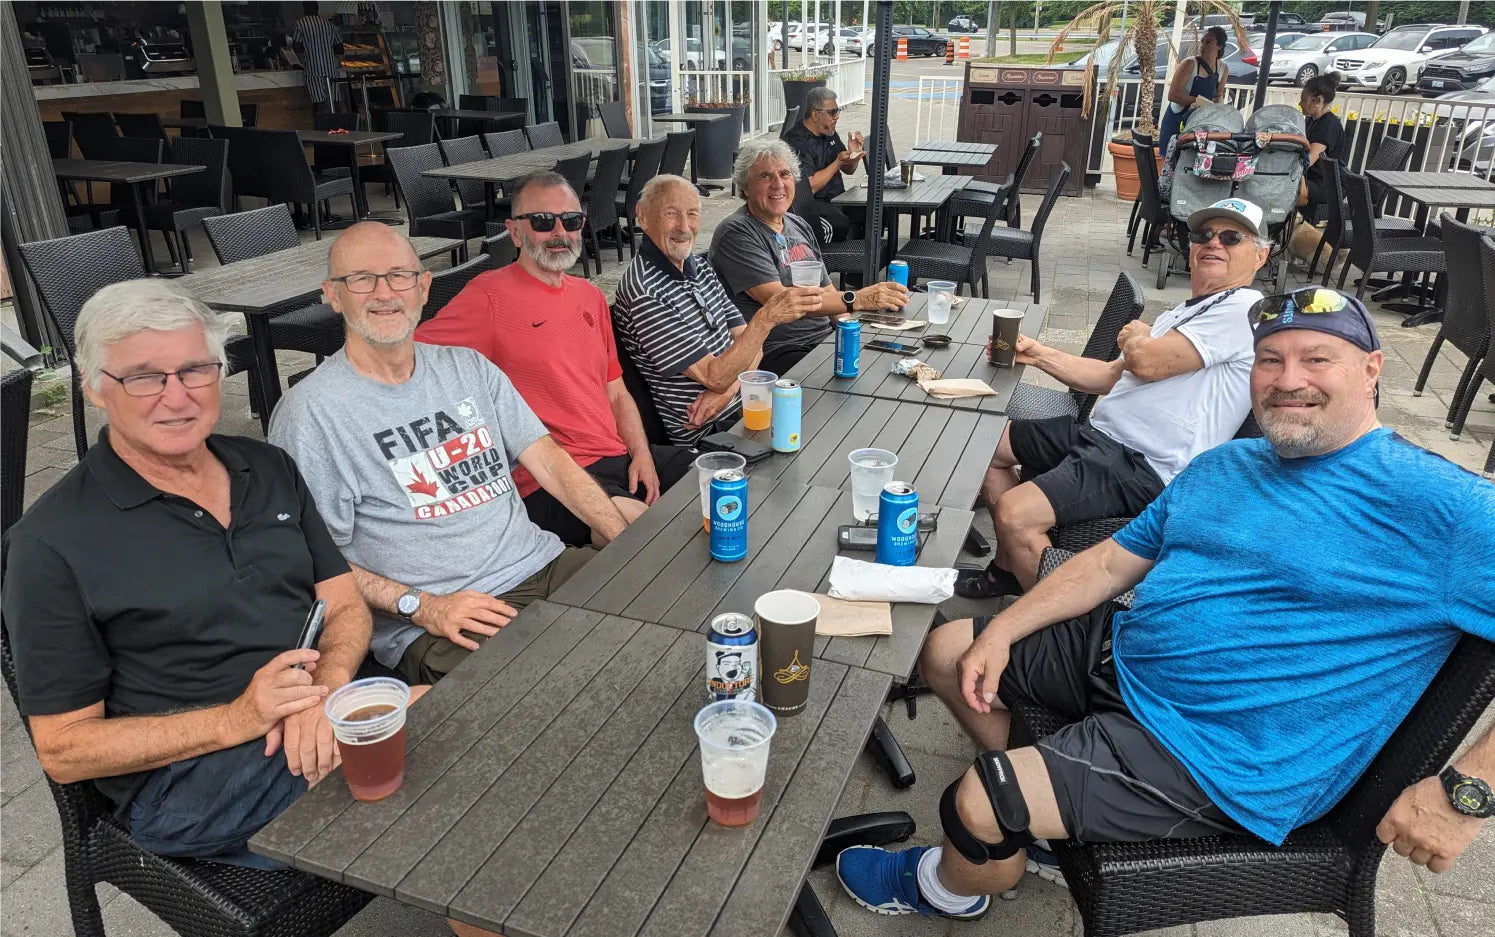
(1007, 105)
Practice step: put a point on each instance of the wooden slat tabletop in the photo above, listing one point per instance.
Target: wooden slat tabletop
(351, 138)
(508, 168)
(109, 170)
(924, 157)
(273, 281)
(553, 787)
(1399, 179)
(926, 195)
(943, 451)
(958, 146)
(660, 569)
(1448, 198)
(460, 113)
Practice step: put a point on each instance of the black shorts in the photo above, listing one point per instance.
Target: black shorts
(611, 473)
(1113, 780)
(1084, 473)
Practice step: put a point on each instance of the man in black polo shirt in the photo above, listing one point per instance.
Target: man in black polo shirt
(154, 596)
(823, 158)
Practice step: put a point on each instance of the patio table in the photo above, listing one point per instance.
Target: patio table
(1428, 180)
(951, 155)
(1431, 190)
(553, 787)
(132, 175)
(455, 114)
(352, 139)
(920, 198)
(660, 568)
(503, 170)
(273, 283)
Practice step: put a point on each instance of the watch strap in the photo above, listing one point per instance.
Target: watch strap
(1453, 779)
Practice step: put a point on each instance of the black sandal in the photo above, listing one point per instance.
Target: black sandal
(973, 582)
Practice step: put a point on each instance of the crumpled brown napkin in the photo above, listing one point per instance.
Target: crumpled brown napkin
(957, 387)
(844, 619)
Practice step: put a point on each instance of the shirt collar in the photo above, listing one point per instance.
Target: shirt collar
(125, 486)
(651, 252)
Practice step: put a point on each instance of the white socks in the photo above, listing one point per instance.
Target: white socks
(933, 891)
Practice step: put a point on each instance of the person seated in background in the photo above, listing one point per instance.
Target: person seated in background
(752, 248)
(1291, 608)
(552, 335)
(824, 158)
(1326, 138)
(1180, 387)
(687, 338)
(410, 451)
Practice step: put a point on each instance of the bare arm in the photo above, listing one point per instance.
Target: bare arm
(818, 180)
(1315, 150)
(1155, 359)
(877, 296)
(345, 636)
(718, 373)
(1220, 85)
(1086, 375)
(630, 424)
(1421, 824)
(570, 484)
(1178, 86)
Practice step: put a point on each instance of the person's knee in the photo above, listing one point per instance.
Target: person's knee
(940, 655)
(630, 508)
(973, 806)
(1024, 510)
(1004, 457)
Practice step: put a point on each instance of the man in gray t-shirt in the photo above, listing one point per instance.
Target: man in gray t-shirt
(752, 249)
(408, 451)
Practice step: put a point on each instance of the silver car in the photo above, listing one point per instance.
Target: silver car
(1313, 54)
(1464, 134)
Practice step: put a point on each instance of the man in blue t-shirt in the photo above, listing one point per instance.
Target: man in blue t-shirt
(1300, 593)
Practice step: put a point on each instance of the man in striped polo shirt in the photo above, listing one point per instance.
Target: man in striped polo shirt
(320, 47)
(674, 318)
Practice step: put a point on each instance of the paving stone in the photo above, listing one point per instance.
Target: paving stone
(1471, 876)
(1266, 925)
(1463, 917)
(126, 917)
(32, 827)
(1402, 909)
(36, 903)
(9, 872)
(19, 768)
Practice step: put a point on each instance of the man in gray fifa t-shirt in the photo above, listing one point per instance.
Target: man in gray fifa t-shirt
(408, 451)
(752, 249)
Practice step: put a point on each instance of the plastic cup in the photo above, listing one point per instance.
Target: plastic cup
(805, 273)
(871, 469)
(734, 737)
(368, 720)
(707, 465)
(941, 297)
(757, 399)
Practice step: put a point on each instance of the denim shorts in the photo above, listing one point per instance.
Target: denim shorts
(208, 807)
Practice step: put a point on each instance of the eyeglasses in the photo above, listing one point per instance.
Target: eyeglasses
(152, 383)
(832, 111)
(1228, 237)
(398, 280)
(1308, 301)
(544, 221)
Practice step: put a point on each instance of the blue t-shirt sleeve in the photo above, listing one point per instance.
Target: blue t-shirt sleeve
(1144, 535)
(1470, 592)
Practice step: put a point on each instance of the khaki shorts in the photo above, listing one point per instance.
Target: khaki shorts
(429, 657)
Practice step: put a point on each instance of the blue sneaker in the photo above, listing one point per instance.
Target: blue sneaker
(888, 882)
(1043, 863)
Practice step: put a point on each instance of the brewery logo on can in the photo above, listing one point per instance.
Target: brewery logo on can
(728, 515)
(732, 658)
(848, 347)
(787, 399)
(898, 524)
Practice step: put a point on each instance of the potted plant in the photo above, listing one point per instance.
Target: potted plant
(797, 84)
(717, 140)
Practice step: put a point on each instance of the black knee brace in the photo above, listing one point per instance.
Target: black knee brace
(995, 772)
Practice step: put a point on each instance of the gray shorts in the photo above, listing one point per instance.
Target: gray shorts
(1113, 780)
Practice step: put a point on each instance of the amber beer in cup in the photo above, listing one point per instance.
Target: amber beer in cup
(757, 399)
(368, 719)
(734, 736)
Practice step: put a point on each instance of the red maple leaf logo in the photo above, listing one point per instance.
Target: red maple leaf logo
(422, 485)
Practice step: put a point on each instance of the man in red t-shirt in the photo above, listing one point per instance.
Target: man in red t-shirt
(552, 335)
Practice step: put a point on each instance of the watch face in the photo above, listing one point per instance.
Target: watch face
(407, 605)
(1471, 798)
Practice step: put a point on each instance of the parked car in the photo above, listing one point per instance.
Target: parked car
(920, 40)
(1314, 54)
(819, 35)
(962, 24)
(1351, 21)
(1471, 146)
(1462, 70)
(1296, 23)
(1241, 65)
(853, 40)
(695, 55)
(659, 81)
(1396, 61)
(1258, 41)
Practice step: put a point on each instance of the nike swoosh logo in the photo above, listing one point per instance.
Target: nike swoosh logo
(282, 517)
(536, 325)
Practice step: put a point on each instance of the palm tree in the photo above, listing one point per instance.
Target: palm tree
(1143, 17)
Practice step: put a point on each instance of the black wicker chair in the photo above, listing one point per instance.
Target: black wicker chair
(676, 152)
(1036, 403)
(446, 284)
(1328, 866)
(460, 150)
(93, 132)
(1134, 220)
(615, 119)
(1152, 211)
(1371, 251)
(418, 127)
(1338, 229)
(1024, 245)
(638, 388)
(505, 143)
(646, 164)
(428, 202)
(140, 125)
(193, 197)
(963, 263)
(15, 422)
(1010, 189)
(601, 203)
(274, 162)
(500, 249)
(574, 169)
(59, 134)
(1392, 153)
(1466, 319)
(548, 134)
(1487, 366)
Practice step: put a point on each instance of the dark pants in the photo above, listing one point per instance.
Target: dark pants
(611, 474)
(780, 360)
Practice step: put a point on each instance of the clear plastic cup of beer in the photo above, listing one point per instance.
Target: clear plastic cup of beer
(757, 399)
(707, 465)
(734, 736)
(368, 719)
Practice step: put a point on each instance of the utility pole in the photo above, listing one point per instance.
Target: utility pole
(991, 29)
(1463, 12)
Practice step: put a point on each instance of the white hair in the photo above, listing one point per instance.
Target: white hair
(121, 310)
(754, 151)
(656, 185)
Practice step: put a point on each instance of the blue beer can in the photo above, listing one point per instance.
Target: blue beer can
(898, 272)
(897, 524)
(848, 347)
(787, 398)
(729, 514)
(731, 658)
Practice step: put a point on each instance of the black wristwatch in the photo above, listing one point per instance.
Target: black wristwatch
(1470, 796)
(849, 297)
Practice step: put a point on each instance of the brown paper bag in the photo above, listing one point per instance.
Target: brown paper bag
(841, 618)
(958, 387)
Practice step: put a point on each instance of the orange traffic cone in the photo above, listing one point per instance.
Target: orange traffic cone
(965, 47)
(902, 49)
(950, 52)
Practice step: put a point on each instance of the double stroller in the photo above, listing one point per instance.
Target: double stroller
(1217, 156)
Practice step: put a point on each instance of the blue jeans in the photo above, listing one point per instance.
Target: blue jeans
(208, 807)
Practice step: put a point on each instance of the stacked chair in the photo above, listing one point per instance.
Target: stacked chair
(1466, 321)
(542, 135)
(428, 202)
(1372, 251)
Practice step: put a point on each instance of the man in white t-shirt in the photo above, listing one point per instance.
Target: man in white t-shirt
(1181, 386)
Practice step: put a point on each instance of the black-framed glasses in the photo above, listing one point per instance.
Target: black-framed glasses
(832, 111)
(152, 383)
(1230, 237)
(543, 221)
(398, 280)
(1308, 301)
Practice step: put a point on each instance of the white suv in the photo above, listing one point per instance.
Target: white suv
(1397, 58)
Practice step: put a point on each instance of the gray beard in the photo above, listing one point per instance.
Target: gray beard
(557, 263)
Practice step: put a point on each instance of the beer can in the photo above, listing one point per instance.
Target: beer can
(898, 524)
(848, 347)
(898, 272)
(729, 514)
(787, 398)
(732, 658)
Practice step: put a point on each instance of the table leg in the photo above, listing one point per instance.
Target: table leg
(145, 231)
(808, 919)
(264, 364)
(490, 196)
(360, 203)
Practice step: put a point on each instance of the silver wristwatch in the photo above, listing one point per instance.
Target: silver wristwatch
(849, 297)
(409, 603)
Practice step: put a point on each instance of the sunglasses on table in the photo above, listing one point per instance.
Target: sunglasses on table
(1306, 301)
(152, 383)
(398, 280)
(544, 221)
(1229, 237)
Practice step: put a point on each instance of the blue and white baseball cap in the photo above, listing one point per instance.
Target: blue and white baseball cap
(1242, 212)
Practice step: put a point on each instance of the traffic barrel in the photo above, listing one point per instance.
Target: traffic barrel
(903, 48)
(950, 52)
(965, 47)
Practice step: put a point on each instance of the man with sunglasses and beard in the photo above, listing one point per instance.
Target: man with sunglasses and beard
(824, 158)
(552, 334)
(1178, 388)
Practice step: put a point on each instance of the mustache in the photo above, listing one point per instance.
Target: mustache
(1282, 396)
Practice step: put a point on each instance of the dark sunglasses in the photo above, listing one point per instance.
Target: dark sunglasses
(544, 221)
(832, 111)
(1308, 301)
(1229, 237)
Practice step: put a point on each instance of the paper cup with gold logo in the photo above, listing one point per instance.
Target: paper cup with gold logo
(786, 623)
(1005, 324)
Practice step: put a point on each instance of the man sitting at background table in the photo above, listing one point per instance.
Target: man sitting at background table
(552, 335)
(753, 247)
(1180, 387)
(824, 158)
(674, 318)
(409, 450)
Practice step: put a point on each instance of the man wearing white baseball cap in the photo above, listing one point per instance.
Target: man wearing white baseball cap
(1181, 386)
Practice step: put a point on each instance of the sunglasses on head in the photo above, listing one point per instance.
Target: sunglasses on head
(544, 221)
(1229, 237)
(1307, 301)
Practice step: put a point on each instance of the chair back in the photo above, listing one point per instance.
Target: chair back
(1047, 206)
(1333, 197)
(575, 171)
(1466, 323)
(1147, 183)
(460, 150)
(1122, 306)
(638, 388)
(676, 151)
(418, 127)
(505, 142)
(615, 119)
(1024, 163)
(327, 156)
(645, 167)
(257, 157)
(500, 249)
(59, 135)
(247, 234)
(1362, 220)
(520, 105)
(1392, 153)
(601, 205)
(473, 102)
(541, 135)
(423, 196)
(208, 188)
(791, 117)
(977, 203)
(190, 108)
(93, 131)
(446, 284)
(136, 149)
(1250, 429)
(1487, 364)
(140, 125)
(67, 271)
(15, 421)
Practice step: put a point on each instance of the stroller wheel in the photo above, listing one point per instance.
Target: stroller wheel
(1163, 263)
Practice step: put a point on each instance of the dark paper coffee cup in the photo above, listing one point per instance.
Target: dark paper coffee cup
(786, 625)
(907, 170)
(1005, 325)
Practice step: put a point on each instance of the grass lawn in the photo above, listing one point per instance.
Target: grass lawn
(1034, 58)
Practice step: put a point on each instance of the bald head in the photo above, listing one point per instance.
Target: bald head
(669, 212)
(357, 247)
(375, 281)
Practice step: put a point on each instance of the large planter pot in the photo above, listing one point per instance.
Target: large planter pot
(794, 95)
(1124, 161)
(717, 140)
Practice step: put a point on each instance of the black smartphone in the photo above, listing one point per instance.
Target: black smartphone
(928, 523)
(899, 348)
(311, 631)
(852, 537)
(730, 442)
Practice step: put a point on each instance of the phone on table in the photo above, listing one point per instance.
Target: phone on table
(852, 537)
(311, 631)
(928, 523)
(898, 348)
(730, 442)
